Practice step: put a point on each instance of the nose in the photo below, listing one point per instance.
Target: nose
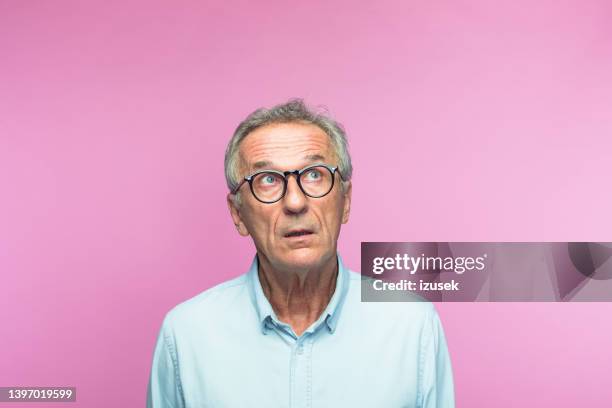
(294, 201)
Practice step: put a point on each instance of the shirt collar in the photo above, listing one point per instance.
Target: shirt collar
(266, 314)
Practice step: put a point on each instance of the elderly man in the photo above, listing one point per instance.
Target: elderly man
(292, 331)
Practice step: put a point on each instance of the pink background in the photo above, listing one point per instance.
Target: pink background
(491, 121)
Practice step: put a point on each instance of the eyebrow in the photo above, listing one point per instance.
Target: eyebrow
(315, 157)
(262, 164)
(266, 164)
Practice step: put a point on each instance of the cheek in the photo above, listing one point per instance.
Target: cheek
(260, 227)
(332, 217)
(260, 224)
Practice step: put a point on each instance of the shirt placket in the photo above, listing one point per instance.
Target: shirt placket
(301, 373)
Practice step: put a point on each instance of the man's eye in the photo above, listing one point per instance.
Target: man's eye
(268, 179)
(313, 175)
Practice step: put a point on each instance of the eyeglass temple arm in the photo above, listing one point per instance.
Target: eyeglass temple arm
(336, 169)
(235, 190)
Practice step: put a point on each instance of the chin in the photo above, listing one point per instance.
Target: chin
(305, 258)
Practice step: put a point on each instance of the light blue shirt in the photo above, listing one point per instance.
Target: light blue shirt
(226, 348)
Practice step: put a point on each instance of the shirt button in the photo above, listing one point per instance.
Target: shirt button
(300, 350)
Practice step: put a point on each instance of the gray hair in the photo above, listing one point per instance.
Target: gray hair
(295, 110)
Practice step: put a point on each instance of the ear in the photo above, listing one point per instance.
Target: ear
(348, 189)
(234, 209)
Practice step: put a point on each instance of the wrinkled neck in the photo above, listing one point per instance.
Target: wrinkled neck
(298, 297)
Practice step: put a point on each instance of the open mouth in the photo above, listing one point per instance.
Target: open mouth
(297, 233)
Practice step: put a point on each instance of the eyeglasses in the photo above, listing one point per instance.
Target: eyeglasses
(269, 186)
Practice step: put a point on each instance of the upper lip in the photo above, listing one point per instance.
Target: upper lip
(297, 231)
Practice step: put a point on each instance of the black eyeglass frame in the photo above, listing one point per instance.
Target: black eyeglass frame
(298, 174)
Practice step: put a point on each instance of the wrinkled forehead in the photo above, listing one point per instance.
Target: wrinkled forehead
(285, 146)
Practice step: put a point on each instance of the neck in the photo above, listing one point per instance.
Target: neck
(298, 297)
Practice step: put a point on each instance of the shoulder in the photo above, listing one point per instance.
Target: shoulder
(409, 310)
(212, 304)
